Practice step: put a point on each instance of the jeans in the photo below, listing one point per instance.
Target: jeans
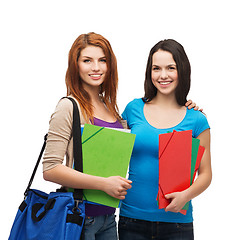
(100, 228)
(134, 229)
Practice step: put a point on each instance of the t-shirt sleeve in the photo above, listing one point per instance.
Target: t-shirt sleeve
(124, 115)
(201, 124)
(126, 112)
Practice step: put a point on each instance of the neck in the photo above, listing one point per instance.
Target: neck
(94, 94)
(166, 101)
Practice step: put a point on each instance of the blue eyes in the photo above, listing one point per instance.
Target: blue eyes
(100, 60)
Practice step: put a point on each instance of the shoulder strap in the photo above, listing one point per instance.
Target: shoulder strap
(77, 150)
(77, 145)
(36, 166)
(76, 132)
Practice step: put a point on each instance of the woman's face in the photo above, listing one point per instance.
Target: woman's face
(164, 72)
(92, 66)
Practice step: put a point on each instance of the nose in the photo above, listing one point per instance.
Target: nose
(95, 66)
(164, 74)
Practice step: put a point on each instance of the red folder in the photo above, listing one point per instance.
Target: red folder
(162, 201)
(175, 161)
(176, 172)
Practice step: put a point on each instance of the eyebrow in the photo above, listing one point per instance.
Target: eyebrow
(169, 65)
(91, 57)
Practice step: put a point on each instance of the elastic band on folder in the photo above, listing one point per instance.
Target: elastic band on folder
(92, 135)
(167, 143)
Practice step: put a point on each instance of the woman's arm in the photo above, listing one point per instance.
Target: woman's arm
(179, 199)
(59, 144)
(115, 186)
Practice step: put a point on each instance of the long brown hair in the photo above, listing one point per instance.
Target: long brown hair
(108, 89)
(183, 68)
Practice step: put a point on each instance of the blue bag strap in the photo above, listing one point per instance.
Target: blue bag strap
(77, 150)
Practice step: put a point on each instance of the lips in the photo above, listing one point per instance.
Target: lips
(165, 83)
(95, 76)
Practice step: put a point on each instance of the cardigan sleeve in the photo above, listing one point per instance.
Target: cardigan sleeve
(60, 141)
(59, 135)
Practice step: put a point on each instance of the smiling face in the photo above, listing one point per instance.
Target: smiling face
(164, 72)
(92, 66)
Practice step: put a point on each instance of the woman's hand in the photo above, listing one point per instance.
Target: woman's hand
(117, 186)
(190, 104)
(178, 201)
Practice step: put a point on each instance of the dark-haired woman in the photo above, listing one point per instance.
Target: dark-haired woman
(162, 110)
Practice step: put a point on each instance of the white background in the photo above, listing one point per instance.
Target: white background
(35, 40)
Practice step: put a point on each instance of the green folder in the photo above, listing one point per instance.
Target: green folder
(106, 152)
(195, 148)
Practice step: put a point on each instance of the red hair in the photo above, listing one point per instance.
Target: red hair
(108, 88)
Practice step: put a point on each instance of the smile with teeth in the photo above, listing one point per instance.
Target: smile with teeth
(95, 76)
(165, 82)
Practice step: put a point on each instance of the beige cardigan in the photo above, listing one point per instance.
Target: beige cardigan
(59, 141)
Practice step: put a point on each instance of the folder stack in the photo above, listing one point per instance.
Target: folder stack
(179, 159)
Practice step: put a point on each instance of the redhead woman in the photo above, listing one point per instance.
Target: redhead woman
(91, 79)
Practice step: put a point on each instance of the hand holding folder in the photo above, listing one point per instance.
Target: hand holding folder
(106, 152)
(179, 159)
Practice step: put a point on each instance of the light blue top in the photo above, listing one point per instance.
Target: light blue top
(140, 201)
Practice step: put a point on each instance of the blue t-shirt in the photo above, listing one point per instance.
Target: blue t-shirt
(140, 201)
